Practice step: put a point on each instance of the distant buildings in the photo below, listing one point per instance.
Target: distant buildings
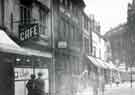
(122, 43)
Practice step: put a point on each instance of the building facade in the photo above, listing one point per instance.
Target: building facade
(119, 50)
(54, 37)
(87, 51)
(27, 23)
(67, 28)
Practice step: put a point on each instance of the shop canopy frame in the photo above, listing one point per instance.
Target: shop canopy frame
(7, 45)
(96, 62)
(102, 64)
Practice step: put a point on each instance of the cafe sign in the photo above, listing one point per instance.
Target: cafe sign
(27, 32)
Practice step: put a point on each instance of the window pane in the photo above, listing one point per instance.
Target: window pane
(43, 22)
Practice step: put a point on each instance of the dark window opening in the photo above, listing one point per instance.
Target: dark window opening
(25, 11)
(26, 2)
(43, 22)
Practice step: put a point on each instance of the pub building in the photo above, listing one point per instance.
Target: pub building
(18, 63)
(25, 45)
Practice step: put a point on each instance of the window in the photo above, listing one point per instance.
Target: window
(72, 32)
(61, 29)
(70, 6)
(86, 45)
(43, 22)
(65, 3)
(1, 11)
(94, 51)
(61, 1)
(25, 13)
(67, 30)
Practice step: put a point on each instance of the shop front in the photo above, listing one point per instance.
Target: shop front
(18, 63)
(24, 67)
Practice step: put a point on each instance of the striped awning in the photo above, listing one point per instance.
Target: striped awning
(7, 45)
(102, 64)
(96, 62)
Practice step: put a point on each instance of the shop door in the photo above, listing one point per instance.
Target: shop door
(6, 78)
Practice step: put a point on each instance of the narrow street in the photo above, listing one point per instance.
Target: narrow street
(122, 89)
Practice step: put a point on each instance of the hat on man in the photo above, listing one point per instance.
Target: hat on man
(40, 73)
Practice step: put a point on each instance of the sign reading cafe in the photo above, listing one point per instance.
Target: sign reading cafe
(28, 31)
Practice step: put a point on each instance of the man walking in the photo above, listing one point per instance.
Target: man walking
(31, 85)
(40, 85)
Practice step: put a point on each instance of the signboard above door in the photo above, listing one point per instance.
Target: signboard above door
(27, 32)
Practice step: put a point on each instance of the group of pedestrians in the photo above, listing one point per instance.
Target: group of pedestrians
(36, 86)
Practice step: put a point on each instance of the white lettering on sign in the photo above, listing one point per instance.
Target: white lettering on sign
(22, 73)
(28, 33)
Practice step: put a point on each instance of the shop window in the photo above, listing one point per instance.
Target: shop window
(22, 75)
(43, 22)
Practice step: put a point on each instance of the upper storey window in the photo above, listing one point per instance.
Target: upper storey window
(1, 11)
(25, 11)
(66, 3)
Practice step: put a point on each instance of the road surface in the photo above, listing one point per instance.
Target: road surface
(123, 89)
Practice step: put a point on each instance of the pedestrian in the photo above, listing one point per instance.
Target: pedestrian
(40, 85)
(117, 81)
(31, 85)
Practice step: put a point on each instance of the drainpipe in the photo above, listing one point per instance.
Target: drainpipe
(52, 65)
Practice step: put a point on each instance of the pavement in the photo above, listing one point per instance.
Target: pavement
(121, 85)
(122, 89)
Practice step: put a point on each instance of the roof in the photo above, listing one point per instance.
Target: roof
(116, 30)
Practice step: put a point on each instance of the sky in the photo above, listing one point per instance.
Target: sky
(110, 13)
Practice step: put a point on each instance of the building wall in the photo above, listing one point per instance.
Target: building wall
(11, 22)
(13, 19)
(117, 38)
(67, 28)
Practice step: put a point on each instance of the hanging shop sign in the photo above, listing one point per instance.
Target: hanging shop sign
(62, 44)
(27, 32)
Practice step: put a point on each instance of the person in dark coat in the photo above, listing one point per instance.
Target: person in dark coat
(40, 85)
(31, 85)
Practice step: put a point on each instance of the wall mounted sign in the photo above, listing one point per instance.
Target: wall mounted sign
(62, 44)
(28, 31)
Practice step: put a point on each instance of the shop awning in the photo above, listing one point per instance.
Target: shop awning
(37, 53)
(9, 46)
(111, 66)
(102, 63)
(96, 62)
